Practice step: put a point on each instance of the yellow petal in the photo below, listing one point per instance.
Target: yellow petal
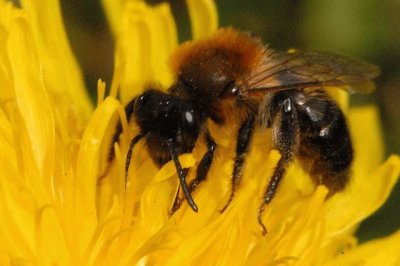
(90, 216)
(340, 96)
(6, 16)
(142, 49)
(114, 10)
(377, 188)
(61, 73)
(17, 217)
(368, 177)
(367, 138)
(384, 251)
(32, 98)
(203, 17)
(49, 232)
(88, 165)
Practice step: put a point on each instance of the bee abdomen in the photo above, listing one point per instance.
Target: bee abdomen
(325, 146)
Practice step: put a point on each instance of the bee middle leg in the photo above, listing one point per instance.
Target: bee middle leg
(242, 146)
(202, 171)
(205, 163)
(286, 139)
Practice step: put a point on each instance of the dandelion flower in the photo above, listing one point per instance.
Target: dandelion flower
(61, 203)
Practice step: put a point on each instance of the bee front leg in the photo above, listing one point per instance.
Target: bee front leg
(178, 201)
(202, 171)
(242, 146)
(181, 174)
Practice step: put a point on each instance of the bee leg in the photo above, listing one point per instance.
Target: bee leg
(271, 190)
(118, 130)
(286, 139)
(178, 201)
(205, 163)
(129, 154)
(182, 176)
(202, 170)
(242, 146)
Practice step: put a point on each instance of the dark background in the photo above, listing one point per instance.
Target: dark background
(368, 29)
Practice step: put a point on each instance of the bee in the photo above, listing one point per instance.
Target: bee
(233, 78)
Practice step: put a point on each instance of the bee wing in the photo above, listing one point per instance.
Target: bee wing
(297, 70)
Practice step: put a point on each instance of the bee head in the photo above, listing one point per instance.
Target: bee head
(167, 117)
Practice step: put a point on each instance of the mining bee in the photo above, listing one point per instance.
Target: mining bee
(232, 78)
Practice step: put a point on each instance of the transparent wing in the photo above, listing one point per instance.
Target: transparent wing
(296, 70)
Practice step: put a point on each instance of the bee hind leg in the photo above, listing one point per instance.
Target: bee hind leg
(286, 139)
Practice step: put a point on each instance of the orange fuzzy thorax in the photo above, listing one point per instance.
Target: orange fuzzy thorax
(240, 52)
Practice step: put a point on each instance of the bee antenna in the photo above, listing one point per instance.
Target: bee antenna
(129, 154)
(182, 175)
